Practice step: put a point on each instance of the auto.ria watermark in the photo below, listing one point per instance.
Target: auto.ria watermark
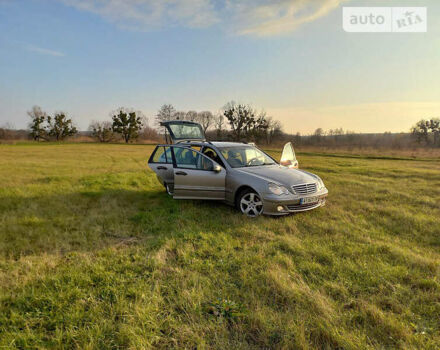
(384, 19)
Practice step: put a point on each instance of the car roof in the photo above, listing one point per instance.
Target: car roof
(218, 144)
(178, 122)
(221, 144)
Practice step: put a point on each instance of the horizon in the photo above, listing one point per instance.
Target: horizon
(291, 59)
(325, 133)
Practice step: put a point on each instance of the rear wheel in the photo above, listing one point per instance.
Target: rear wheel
(168, 189)
(250, 203)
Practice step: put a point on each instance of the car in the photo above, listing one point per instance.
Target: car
(237, 173)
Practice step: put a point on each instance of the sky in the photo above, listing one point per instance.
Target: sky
(290, 58)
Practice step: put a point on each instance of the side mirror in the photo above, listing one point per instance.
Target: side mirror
(217, 168)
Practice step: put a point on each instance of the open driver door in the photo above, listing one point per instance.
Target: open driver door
(288, 157)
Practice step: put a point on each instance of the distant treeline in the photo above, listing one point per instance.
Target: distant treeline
(235, 122)
(385, 140)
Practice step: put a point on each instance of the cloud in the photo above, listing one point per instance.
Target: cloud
(43, 51)
(266, 18)
(245, 17)
(150, 14)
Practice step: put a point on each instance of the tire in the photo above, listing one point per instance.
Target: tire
(250, 203)
(168, 189)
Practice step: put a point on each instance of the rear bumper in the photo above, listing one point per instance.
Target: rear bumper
(291, 204)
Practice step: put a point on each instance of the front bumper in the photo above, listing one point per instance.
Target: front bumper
(291, 203)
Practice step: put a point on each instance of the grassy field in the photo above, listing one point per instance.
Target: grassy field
(95, 255)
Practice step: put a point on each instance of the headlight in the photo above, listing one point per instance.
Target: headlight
(277, 189)
(320, 184)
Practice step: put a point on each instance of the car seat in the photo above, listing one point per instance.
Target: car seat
(189, 158)
(233, 159)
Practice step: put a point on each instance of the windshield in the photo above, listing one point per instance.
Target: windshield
(245, 156)
(187, 131)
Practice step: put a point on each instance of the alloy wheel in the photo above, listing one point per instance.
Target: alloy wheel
(251, 204)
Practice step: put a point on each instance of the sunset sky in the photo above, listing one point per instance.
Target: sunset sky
(289, 57)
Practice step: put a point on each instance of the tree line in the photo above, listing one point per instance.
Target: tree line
(236, 122)
(427, 131)
(45, 127)
(125, 123)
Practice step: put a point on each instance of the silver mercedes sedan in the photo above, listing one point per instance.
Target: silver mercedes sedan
(239, 174)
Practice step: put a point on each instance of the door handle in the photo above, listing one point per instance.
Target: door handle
(161, 168)
(181, 173)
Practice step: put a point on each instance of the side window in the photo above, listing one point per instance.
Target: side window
(185, 158)
(209, 152)
(189, 159)
(159, 155)
(205, 164)
(168, 155)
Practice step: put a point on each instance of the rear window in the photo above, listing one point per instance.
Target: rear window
(187, 131)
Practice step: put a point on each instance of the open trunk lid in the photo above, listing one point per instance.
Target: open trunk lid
(182, 130)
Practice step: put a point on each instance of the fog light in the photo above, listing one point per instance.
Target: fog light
(280, 208)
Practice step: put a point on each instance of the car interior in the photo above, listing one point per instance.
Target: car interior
(209, 152)
(187, 158)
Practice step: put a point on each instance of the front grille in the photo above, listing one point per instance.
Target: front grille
(304, 188)
(295, 207)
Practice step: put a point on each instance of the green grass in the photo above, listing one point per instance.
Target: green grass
(94, 255)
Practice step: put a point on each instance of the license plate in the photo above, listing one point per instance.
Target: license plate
(308, 200)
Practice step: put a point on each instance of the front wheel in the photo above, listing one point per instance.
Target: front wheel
(250, 203)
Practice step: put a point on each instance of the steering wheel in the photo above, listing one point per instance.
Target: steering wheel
(252, 161)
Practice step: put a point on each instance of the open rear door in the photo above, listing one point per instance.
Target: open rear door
(161, 162)
(288, 158)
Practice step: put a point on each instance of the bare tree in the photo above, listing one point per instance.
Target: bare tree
(219, 122)
(149, 133)
(180, 115)
(7, 131)
(191, 116)
(165, 113)
(274, 129)
(102, 131)
(206, 120)
(319, 132)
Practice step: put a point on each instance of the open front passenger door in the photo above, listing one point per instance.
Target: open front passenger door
(196, 176)
(288, 157)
